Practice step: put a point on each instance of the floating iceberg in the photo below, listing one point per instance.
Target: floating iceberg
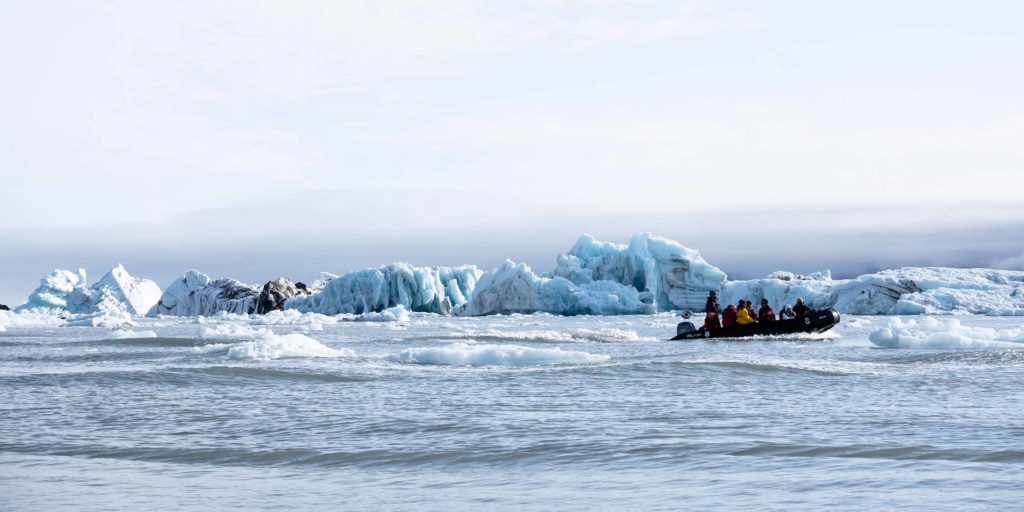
(463, 354)
(275, 293)
(515, 288)
(905, 291)
(420, 289)
(675, 276)
(110, 302)
(195, 294)
(52, 294)
(948, 333)
(959, 290)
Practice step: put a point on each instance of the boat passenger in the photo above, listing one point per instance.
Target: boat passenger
(729, 316)
(750, 310)
(711, 320)
(800, 308)
(765, 314)
(743, 317)
(787, 313)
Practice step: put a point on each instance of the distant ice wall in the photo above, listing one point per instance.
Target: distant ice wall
(421, 289)
(515, 288)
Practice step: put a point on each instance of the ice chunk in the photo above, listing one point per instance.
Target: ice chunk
(495, 355)
(395, 314)
(28, 319)
(675, 276)
(420, 289)
(948, 333)
(275, 293)
(515, 288)
(129, 335)
(273, 346)
(138, 295)
(195, 294)
(110, 301)
(52, 294)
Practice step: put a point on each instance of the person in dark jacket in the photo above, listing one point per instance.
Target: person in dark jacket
(765, 314)
(750, 310)
(729, 316)
(800, 308)
(711, 320)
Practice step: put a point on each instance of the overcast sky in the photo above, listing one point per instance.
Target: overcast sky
(253, 139)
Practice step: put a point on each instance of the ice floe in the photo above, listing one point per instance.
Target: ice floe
(471, 354)
(273, 346)
(943, 333)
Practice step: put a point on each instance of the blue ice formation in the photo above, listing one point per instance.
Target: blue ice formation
(419, 289)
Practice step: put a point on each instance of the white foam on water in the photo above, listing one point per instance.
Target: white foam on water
(607, 335)
(294, 317)
(273, 346)
(232, 332)
(945, 333)
(127, 335)
(466, 354)
(396, 314)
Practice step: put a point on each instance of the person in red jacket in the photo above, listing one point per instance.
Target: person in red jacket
(711, 320)
(729, 316)
(765, 314)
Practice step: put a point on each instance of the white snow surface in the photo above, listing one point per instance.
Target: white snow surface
(946, 333)
(196, 294)
(419, 289)
(471, 354)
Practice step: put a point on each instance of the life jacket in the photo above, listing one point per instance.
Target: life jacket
(711, 321)
(766, 314)
(743, 317)
(729, 316)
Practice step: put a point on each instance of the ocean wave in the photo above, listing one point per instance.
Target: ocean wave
(946, 333)
(924, 452)
(465, 354)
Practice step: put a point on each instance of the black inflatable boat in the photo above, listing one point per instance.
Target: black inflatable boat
(815, 321)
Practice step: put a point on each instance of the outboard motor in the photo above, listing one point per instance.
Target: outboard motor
(822, 319)
(685, 327)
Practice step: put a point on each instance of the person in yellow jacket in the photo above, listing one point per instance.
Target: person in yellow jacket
(743, 317)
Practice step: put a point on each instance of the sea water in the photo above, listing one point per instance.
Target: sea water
(507, 412)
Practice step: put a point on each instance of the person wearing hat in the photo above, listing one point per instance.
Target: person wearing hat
(711, 320)
(765, 314)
